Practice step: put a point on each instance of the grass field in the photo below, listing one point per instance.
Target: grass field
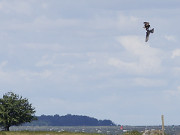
(42, 133)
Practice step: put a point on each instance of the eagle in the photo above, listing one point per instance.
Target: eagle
(148, 30)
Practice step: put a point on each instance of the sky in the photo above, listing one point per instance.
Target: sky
(89, 57)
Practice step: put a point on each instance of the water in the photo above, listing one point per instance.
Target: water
(109, 130)
(87, 129)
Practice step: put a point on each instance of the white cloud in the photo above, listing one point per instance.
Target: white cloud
(175, 92)
(92, 61)
(123, 66)
(121, 22)
(30, 75)
(147, 82)
(44, 5)
(175, 53)
(22, 7)
(40, 23)
(99, 22)
(3, 64)
(43, 47)
(44, 63)
(170, 38)
(127, 21)
(23, 76)
(139, 57)
(44, 22)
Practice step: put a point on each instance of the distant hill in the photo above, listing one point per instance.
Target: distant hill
(68, 120)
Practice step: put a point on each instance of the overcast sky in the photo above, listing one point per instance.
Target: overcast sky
(89, 57)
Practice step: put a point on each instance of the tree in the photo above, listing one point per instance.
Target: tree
(15, 110)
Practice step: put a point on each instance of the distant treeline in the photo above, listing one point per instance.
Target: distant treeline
(68, 120)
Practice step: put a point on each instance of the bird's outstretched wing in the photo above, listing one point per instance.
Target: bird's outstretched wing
(147, 36)
(148, 33)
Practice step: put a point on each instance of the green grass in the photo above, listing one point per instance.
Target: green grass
(42, 133)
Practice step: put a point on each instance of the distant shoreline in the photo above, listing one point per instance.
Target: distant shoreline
(95, 129)
(68, 120)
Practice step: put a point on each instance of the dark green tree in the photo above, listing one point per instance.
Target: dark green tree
(15, 110)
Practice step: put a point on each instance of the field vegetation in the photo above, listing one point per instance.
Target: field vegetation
(42, 133)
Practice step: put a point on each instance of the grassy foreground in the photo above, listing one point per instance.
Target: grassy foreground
(42, 133)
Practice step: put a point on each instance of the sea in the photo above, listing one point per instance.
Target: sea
(109, 130)
(86, 129)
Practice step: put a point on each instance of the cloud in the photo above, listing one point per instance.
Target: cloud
(170, 38)
(20, 76)
(127, 21)
(21, 7)
(106, 21)
(139, 58)
(175, 53)
(123, 66)
(44, 22)
(43, 47)
(175, 92)
(3, 64)
(147, 82)
(33, 76)
(44, 62)
(40, 23)
(44, 5)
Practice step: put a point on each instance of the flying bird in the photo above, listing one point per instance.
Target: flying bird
(148, 31)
